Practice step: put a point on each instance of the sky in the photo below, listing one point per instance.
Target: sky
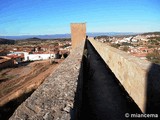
(46, 17)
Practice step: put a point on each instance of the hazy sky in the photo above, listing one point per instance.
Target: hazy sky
(39, 17)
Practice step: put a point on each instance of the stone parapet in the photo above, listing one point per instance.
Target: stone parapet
(140, 78)
(54, 99)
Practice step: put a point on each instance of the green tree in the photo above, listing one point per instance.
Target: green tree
(115, 45)
(154, 56)
(125, 48)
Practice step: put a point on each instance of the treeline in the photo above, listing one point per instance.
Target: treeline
(102, 36)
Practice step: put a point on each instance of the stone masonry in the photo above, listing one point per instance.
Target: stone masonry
(140, 78)
(54, 99)
(78, 33)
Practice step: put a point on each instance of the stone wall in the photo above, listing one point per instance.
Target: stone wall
(140, 78)
(103, 96)
(55, 98)
(78, 33)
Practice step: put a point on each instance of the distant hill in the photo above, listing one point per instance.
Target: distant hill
(33, 39)
(110, 34)
(149, 33)
(37, 36)
(6, 41)
(91, 34)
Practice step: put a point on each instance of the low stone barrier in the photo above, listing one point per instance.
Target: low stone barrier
(55, 98)
(140, 78)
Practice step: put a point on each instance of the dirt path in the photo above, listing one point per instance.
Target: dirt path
(27, 81)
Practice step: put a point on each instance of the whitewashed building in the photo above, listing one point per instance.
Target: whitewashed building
(33, 57)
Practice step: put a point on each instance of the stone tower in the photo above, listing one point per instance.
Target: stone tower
(78, 33)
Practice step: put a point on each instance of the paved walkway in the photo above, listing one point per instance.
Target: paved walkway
(103, 96)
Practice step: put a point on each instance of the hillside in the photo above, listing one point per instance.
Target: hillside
(6, 41)
(148, 33)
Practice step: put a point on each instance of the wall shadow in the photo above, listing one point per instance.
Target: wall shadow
(76, 111)
(25, 63)
(8, 109)
(99, 94)
(153, 90)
